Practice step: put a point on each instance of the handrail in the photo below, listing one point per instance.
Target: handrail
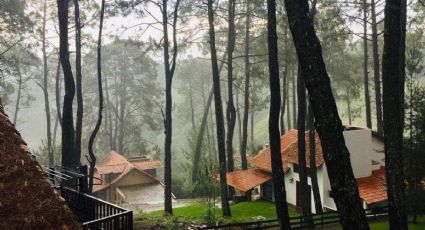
(107, 218)
(97, 199)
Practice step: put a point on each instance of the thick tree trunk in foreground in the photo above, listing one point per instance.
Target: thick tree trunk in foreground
(247, 90)
(313, 169)
(78, 79)
(365, 67)
(305, 190)
(231, 111)
(274, 134)
(393, 74)
(218, 114)
(69, 159)
(376, 74)
(328, 122)
(92, 159)
(170, 66)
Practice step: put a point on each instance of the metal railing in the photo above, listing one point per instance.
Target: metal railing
(93, 213)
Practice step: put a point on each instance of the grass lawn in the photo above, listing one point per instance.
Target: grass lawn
(241, 212)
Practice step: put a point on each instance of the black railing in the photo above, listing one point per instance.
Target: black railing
(95, 213)
(92, 212)
(300, 222)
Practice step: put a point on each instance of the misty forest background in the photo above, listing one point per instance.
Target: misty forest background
(351, 34)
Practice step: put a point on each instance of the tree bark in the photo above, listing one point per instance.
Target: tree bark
(365, 67)
(274, 133)
(376, 73)
(169, 66)
(69, 159)
(284, 87)
(313, 169)
(244, 161)
(328, 122)
(58, 93)
(200, 137)
(231, 111)
(294, 100)
(92, 159)
(78, 78)
(305, 191)
(218, 114)
(288, 105)
(19, 93)
(393, 75)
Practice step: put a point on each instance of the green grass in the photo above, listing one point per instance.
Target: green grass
(241, 212)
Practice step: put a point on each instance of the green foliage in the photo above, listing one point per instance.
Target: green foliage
(133, 99)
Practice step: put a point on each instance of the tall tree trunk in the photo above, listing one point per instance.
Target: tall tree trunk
(169, 66)
(58, 93)
(92, 159)
(294, 99)
(274, 134)
(238, 117)
(244, 144)
(46, 90)
(284, 79)
(108, 114)
(69, 159)
(19, 93)
(58, 119)
(218, 114)
(328, 122)
(376, 74)
(288, 105)
(305, 191)
(313, 169)
(393, 74)
(122, 114)
(365, 67)
(252, 126)
(78, 78)
(192, 109)
(200, 137)
(231, 111)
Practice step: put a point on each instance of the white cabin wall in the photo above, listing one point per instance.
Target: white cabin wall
(359, 144)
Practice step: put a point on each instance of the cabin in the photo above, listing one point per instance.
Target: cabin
(367, 160)
(130, 182)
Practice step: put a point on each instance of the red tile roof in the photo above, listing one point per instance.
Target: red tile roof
(115, 163)
(146, 165)
(373, 188)
(27, 198)
(289, 152)
(247, 179)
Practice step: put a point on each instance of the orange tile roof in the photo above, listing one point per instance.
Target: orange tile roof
(289, 152)
(27, 198)
(146, 165)
(373, 188)
(115, 163)
(247, 179)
